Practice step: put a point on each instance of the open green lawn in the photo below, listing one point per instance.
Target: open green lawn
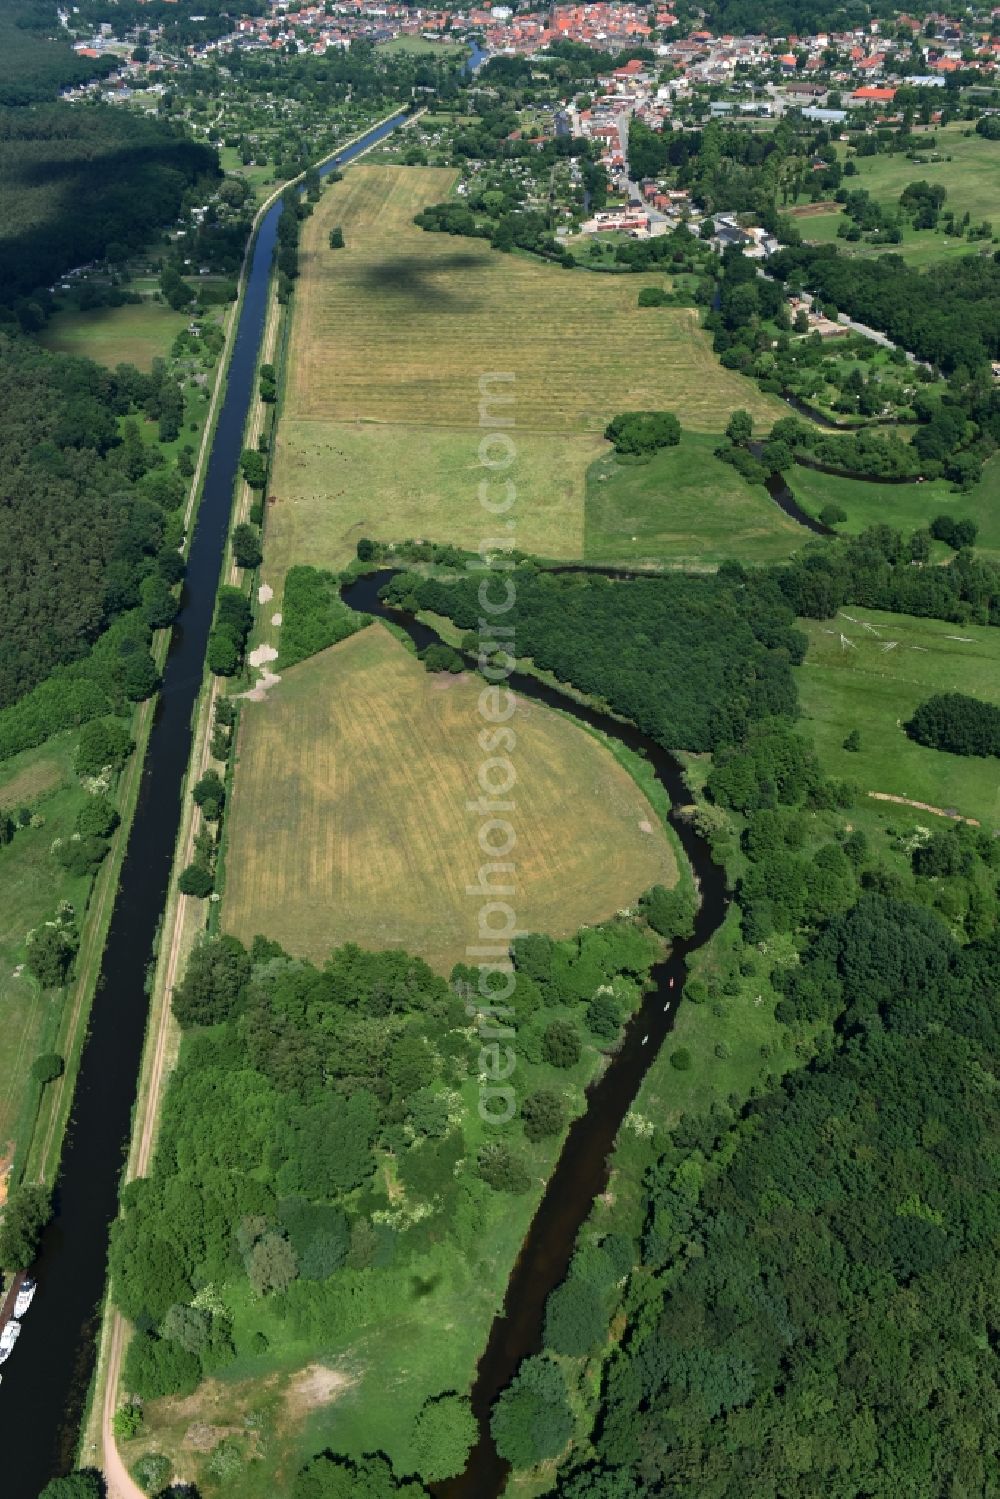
(874, 685)
(420, 44)
(260, 178)
(920, 248)
(135, 334)
(684, 507)
(31, 886)
(971, 177)
(908, 507)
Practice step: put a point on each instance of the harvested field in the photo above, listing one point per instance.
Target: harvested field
(339, 481)
(391, 338)
(401, 325)
(350, 822)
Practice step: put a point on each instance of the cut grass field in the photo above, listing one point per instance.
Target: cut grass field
(350, 822)
(971, 178)
(336, 482)
(401, 326)
(867, 687)
(135, 334)
(390, 341)
(684, 507)
(421, 45)
(907, 507)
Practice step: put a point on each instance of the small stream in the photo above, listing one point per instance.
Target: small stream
(581, 1173)
(777, 487)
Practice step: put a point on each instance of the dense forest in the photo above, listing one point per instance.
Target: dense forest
(184, 22)
(88, 520)
(792, 17)
(33, 66)
(82, 183)
(691, 660)
(949, 316)
(816, 1302)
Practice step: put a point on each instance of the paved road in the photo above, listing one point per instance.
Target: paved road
(882, 339)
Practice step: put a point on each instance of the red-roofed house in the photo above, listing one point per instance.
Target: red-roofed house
(874, 95)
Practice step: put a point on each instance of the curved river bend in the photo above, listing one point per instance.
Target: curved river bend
(581, 1172)
(45, 1380)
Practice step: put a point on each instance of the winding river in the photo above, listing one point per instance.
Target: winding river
(45, 1381)
(581, 1172)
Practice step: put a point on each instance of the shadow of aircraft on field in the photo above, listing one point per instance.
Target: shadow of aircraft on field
(424, 1285)
(419, 280)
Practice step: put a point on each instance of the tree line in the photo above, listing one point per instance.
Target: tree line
(949, 316)
(295, 1084)
(812, 1283)
(77, 181)
(691, 660)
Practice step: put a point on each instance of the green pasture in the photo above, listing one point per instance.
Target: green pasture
(684, 508)
(868, 670)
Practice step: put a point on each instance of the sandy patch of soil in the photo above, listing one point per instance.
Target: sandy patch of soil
(266, 679)
(265, 593)
(276, 619)
(315, 1386)
(810, 210)
(904, 801)
(262, 655)
(6, 1162)
(211, 1399)
(202, 1436)
(645, 826)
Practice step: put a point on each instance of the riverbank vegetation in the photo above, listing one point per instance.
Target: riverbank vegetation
(97, 464)
(715, 654)
(341, 1270)
(843, 987)
(906, 507)
(727, 1352)
(361, 737)
(33, 886)
(97, 473)
(683, 508)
